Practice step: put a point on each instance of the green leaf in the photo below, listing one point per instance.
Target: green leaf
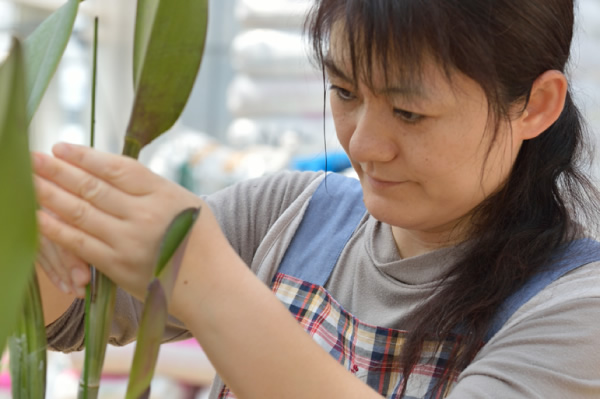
(28, 348)
(151, 330)
(154, 316)
(168, 49)
(18, 226)
(176, 232)
(44, 49)
(146, 11)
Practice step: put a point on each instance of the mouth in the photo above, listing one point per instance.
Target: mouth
(379, 183)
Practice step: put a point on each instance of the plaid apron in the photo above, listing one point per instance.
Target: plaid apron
(371, 352)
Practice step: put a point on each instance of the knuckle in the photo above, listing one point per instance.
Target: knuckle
(115, 169)
(90, 188)
(79, 241)
(148, 217)
(79, 214)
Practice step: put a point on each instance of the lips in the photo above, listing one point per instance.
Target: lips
(379, 183)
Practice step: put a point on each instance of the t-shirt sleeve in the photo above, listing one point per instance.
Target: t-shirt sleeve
(66, 334)
(553, 352)
(245, 212)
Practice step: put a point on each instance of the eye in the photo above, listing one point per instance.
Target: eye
(341, 93)
(407, 116)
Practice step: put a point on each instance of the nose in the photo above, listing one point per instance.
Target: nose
(373, 136)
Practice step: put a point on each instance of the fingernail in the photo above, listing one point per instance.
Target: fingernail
(61, 149)
(79, 277)
(80, 292)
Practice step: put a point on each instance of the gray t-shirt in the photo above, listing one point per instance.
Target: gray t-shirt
(550, 348)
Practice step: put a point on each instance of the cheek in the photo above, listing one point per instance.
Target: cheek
(344, 128)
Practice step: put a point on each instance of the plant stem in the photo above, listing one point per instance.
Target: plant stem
(131, 148)
(94, 81)
(100, 293)
(100, 305)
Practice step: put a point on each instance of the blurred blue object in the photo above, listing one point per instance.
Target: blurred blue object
(331, 162)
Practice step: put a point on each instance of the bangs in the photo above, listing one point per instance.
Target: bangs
(397, 37)
(400, 36)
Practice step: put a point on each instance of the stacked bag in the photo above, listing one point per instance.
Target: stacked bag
(277, 95)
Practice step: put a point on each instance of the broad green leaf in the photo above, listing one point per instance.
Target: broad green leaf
(146, 11)
(151, 330)
(18, 227)
(176, 232)
(167, 59)
(28, 348)
(154, 315)
(43, 50)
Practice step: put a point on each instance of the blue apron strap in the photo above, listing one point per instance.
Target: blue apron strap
(577, 254)
(332, 215)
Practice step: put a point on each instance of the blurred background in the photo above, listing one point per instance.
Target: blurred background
(256, 108)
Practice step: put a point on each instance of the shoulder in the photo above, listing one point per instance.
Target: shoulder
(246, 211)
(550, 347)
(281, 185)
(582, 283)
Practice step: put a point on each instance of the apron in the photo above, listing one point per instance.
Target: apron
(371, 352)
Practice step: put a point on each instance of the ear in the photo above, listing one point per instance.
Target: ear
(545, 105)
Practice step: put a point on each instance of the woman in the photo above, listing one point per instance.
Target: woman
(471, 272)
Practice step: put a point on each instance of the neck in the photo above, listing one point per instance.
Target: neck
(412, 243)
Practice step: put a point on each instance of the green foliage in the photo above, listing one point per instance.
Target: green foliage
(28, 348)
(151, 330)
(18, 235)
(43, 50)
(169, 44)
(145, 14)
(155, 313)
(168, 49)
(100, 294)
(100, 304)
(176, 232)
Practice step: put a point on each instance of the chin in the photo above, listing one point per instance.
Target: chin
(392, 212)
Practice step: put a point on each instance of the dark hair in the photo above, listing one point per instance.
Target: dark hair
(503, 45)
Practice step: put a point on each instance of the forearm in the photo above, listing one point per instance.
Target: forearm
(256, 346)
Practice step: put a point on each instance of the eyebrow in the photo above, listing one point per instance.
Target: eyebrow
(333, 69)
(407, 91)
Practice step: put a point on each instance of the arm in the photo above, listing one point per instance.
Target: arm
(256, 346)
(54, 301)
(252, 340)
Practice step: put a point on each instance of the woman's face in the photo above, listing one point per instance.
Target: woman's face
(424, 154)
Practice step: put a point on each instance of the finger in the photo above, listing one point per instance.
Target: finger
(82, 184)
(50, 260)
(80, 278)
(75, 211)
(42, 262)
(122, 172)
(84, 246)
(67, 272)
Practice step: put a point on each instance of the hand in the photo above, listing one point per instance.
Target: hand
(68, 272)
(108, 210)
